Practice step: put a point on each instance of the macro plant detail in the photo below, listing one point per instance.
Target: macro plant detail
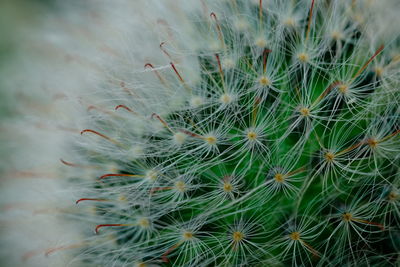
(268, 136)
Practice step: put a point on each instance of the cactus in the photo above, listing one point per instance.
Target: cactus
(271, 138)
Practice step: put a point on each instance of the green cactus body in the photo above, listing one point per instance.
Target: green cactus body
(284, 151)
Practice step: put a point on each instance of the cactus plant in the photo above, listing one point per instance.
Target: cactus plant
(269, 136)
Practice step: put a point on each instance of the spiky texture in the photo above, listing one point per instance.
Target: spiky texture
(267, 136)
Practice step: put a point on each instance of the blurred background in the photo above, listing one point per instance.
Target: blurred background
(18, 18)
(30, 140)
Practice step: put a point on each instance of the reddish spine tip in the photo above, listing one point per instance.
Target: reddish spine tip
(29, 255)
(190, 133)
(167, 27)
(265, 57)
(176, 72)
(117, 175)
(164, 51)
(97, 228)
(67, 163)
(162, 121)
(154, 189)
(148, 65)
(124, 107)
(380, 48)
(70, 164)
(91, 131)
(164, 257)
(107, 225)
(377, 52)
(101, 135)
(89, 199)
(310, 19)
(330, 87)
(219, 65)
(159, 77)
(49, 251)
(107, 175)
(91, 107)
(220, 35)
(158, 118)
